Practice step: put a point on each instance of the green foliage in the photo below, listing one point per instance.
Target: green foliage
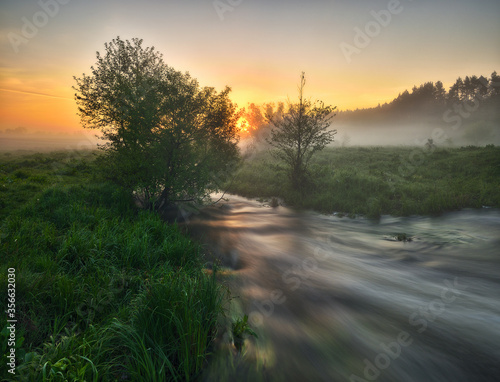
(172, 324)
(60, 359)
(299, 133)
(166, 136)
(372, 180)
(239, 329)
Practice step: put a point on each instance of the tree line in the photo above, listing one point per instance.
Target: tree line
(432, 98)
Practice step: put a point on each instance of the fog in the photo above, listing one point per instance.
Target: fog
(410, 134)
(348, 134)
(415, 134)
(23, 139)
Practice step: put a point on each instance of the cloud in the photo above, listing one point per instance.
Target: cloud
(33, 93)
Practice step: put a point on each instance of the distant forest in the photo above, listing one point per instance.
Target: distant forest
(471, 104)
(467, 114)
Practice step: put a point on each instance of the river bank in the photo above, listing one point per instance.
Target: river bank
(103, 291)
(375, 181)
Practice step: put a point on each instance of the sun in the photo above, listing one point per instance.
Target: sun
(243, 126)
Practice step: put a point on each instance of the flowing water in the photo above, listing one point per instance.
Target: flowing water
(340, 299)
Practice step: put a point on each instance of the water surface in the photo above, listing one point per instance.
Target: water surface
(339, 299)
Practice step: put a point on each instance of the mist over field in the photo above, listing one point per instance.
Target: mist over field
(349, 133)
(413, 134)
(40, 141)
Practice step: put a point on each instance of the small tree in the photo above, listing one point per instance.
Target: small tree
(300, 132)
(165, 136)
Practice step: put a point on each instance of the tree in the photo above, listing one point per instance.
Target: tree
(300, 132)
(456, 92)
(165, 136)
(494, 84)
(482, 87)
(254, 116)
(440, 92)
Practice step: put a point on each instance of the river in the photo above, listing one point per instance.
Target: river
(339, 299)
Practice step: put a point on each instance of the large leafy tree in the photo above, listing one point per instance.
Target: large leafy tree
(298, 133)
(165, 136)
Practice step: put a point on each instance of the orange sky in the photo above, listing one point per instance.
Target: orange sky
(257, 48)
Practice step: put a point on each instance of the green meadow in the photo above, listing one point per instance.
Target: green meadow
(103, 291)
(372, 181)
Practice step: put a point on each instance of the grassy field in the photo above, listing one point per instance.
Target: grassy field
(382, 180)
(103, 291)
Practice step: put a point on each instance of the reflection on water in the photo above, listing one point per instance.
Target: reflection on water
(339, 299)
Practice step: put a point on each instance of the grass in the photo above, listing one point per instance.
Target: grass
(372, 181)
(240, 328)
(104, 291)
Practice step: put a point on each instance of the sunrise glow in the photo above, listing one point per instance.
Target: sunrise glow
(256, 48)
(243, 126)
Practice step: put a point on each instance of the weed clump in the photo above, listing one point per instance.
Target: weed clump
(240, 328)
(403, 237)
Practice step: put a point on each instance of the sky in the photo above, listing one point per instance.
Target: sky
(355, 53)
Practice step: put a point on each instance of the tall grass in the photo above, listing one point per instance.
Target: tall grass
(376, 180)
(103, 291)
(170, 327)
